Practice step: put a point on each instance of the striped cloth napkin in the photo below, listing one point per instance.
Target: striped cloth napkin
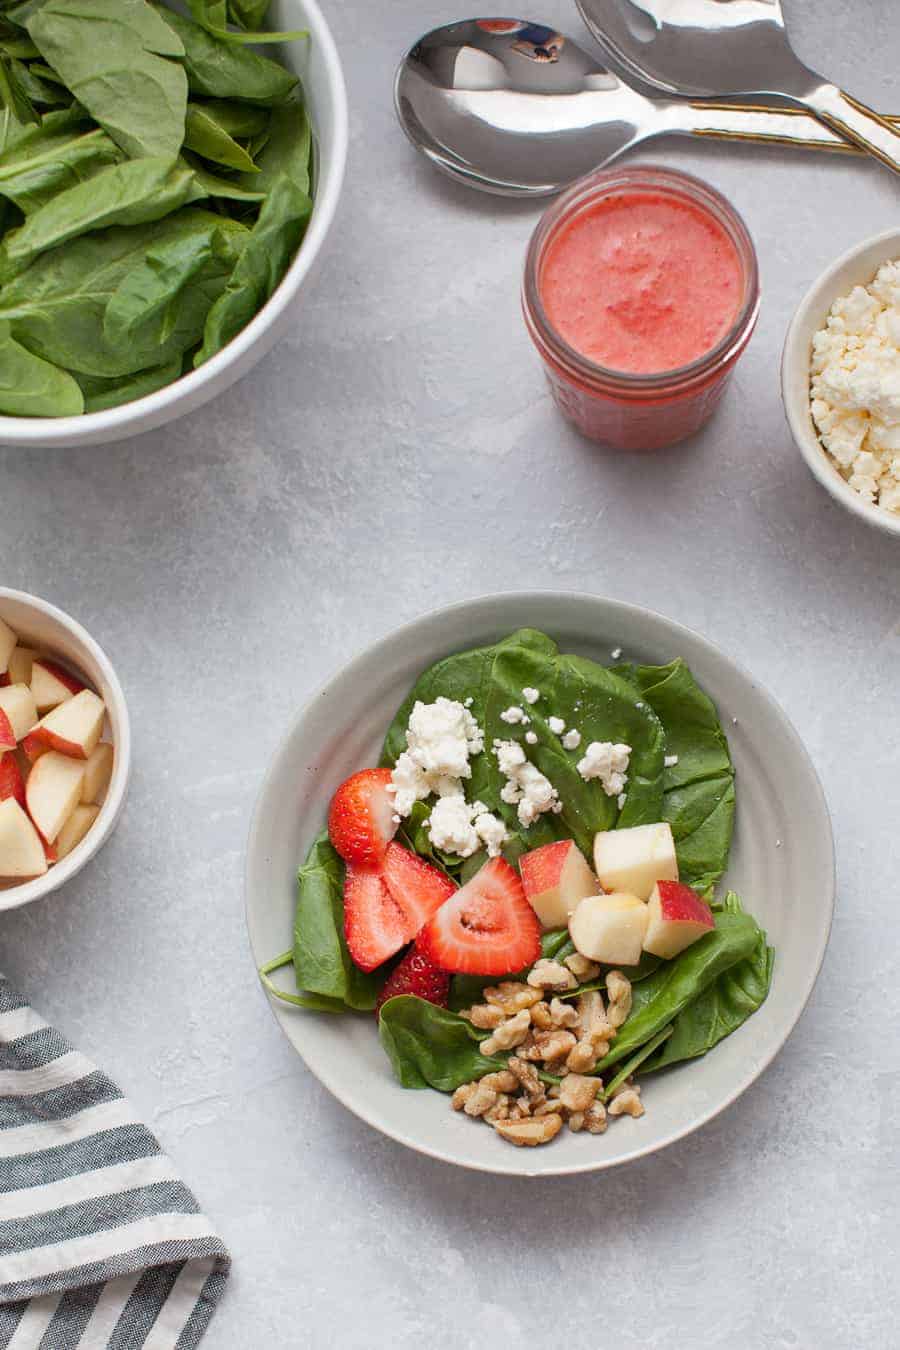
(101, 1244)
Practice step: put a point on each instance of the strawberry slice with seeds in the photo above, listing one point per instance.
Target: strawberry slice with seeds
(361, 817)
(416, 975)
(375, 926)
(418, 887)
(12, 784)
(486, 928)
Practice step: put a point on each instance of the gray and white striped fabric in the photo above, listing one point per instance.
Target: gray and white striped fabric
(101, 1244)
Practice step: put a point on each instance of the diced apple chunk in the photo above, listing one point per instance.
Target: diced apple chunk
(8, 642)
(53, 791)
(677, 917)
(12, 782)
(635, 859)
(18, 715)
(20, 664)
(51, 684)
(75, 828)
(555, 878)
(610, 928)
(21, 850)
(97, 773)
(73, 727)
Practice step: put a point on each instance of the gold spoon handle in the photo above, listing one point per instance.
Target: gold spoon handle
(765, 124)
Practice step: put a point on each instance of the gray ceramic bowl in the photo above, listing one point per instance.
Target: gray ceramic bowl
(782, 865)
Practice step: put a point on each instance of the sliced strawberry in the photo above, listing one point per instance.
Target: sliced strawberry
(361, 817)
(375, 926)
(4, 679)
(416, 975)
(486, 928)
(418, 887)
(12, 784)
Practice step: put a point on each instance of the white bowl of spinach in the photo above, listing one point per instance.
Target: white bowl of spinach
(166, 184)
(738, 763)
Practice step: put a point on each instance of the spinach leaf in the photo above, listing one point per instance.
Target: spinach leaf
(637, 1059)
(467, 989)
(723, 1007)
(698, 799)
(322, 963)
(13, 95)
(213, 15)
(214, 186)
(100, 394)
(237, 119)
(49, 158)
(266, 257)
(219, 69)
(248, 13)
(644, 968)
(30, 387)
(598, 702)
(286, 150)
(57, 307)
(116, 58)
(205, 134)
(313, 1002)
(430, 1046)
(659, 999)
(123, 194)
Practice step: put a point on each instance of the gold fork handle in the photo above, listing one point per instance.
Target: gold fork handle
(764, 124)
(850, 118)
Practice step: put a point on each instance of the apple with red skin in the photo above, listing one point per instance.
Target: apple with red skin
(678, 917)
(51, 684)
(21, 849)
(17, 715)
(555, 878)
(635, 859)
(53, 791)
(12, 784)
(73, 728)
(610, 928)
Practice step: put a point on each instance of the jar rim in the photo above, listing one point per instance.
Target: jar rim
(644, 177)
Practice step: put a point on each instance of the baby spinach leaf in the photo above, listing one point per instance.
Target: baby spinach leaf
(238, 119)
(206, 136)
(698, 798)
(266, 257)
(39, 90)
(57, 307)
(322, 963)
(30, 387)
(117, 61)
(659, 999)
(49, 158)
(637, 1059)
(213, 15)
(723, 1007)
(248, 13)
(219, 69)
(122, 194)
(100, 394)
(313, 1002)
(214, 186)
(13, 95)
(286, 149)
(15, 42)
(430, 1046)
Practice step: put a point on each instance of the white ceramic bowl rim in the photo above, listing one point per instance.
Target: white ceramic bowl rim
(333, 1081)
(111, 809)
(128, 416)
(795, 363)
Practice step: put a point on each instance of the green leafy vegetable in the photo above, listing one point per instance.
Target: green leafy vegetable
(286, 149)
(30, 387)
(215, 186)
(120, 60)
(14, 95)
(468, 989)
(322, 964)
(637, 1059)
(206, 135)
(430, 1046)
(220, 69)
(261, 266)
(213, 15)
(100, 394)
(313, 1002)
(248, 13)
(51, 157)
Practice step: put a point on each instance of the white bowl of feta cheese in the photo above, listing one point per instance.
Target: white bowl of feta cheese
(840, 380)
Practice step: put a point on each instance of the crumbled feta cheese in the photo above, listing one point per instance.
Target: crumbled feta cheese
(531, 695)
(526, 788)
(609, 763)
(440, 739)
(620, 800)
(515, 715)
(855, 387)
(531, 737)
(556, 725)
(670, 761)
(616, 653)
(572, 739)
(467, 703)
(457, 827)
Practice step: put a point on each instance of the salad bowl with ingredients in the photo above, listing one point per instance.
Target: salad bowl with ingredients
(539, 869)
(167, 181)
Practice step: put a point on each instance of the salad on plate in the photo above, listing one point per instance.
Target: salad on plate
(523, 891)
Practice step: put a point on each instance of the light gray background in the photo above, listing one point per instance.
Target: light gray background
(398, 451)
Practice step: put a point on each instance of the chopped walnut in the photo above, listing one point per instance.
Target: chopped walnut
(576, 1122)
(473, 1098)
(595, 1118)
(563, 1014)
(577, 1092)
(594, 1023)
(584, 1055)
(626, 1101)
(547, 1045)
(540, 1016)
(551, 975)
(547, 1107)
(484, 1016)
(502, 1081)
(582, 968)
(509, 1033)
(511, 996)
(530, 1133)
(527, 1076)
(618, 989)
(500, 1109)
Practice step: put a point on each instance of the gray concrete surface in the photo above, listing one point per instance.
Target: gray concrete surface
(396, 452)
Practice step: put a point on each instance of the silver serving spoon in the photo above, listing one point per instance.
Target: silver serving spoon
(718, 47)
(518, 109)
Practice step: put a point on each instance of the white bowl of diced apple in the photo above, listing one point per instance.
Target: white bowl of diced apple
(65, 748)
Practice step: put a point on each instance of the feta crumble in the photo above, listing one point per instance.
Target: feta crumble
(855, 387)
(526, 788)
(616, 653)
(609, 763)
(621, 799)
(670, 761)
(456, 826)
(531, 737)
(556, 725)
(531, 695)
(515, 715)
(440, 739)
(572, 739)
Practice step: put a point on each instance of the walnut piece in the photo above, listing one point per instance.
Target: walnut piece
(484, 1016)
(540, 1016)
(582, 968)
(562, 1014)
(551, 975)
(626, 1102)
(618, 989)
(576, 1122)
(594, 1023)
(530, 1133)
(509, 1033)
(511, 996)
(583, 1056)
(500, 1109)
(576, 1092)
(527, 1076)
(547, 1045)
(595, 1118)
(502, 1081)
